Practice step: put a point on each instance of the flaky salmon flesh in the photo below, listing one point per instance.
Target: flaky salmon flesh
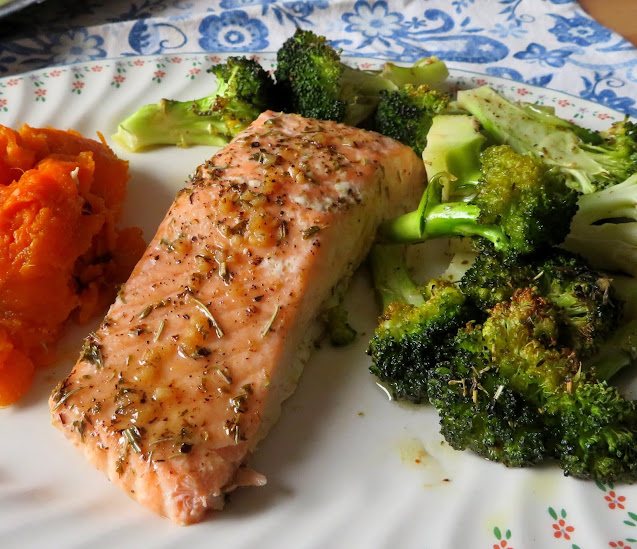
(206, 339)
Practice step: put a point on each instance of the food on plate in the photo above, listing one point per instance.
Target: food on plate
(313, 81)
(517, 350)
(406, 114)
(61, 254)
(590, 160)
(189, 368)
(243, 90)
(604, 230)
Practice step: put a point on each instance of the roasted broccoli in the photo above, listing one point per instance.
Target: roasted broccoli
(587, 307)
(414, 326)
(406, 114)
(518, 205)
(243, 90)
(604, 230)
(511, 392)
(589, 160)
(312, 80)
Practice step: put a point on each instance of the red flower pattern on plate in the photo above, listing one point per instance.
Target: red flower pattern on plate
(78, 85)
(619, 544)
(194, 71)
(40, 92)
(97, 68)
(215, 58)
(603, 116)
(562, 529)
(481, 82)
(13, 82)
(503, 544)
(139, 62)
(175, 59)
(159, 74)
(3, 103)
(522, 91)
(55, 73)
(564, 103)
(615, 501)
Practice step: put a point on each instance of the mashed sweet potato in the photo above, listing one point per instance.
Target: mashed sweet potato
(61, 254)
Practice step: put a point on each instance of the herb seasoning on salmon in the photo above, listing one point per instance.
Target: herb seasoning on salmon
(208, 336)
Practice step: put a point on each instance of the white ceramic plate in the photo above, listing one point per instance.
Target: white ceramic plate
(346, 468)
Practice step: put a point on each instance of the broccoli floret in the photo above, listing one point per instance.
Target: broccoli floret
(512, 393)
(587, 307)
(406, 114)
(313, 81)
(413, 327)
(519, 205)
(597, 431)
(604, 230)
(479, 412)
(588, 161)
(244, 89)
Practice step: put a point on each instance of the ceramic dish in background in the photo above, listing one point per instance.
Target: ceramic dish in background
(346, 468)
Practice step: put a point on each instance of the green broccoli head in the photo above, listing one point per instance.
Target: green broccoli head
(411, 339)
(596, 432)
(530, 202)
(406, 114)
(479, 412)
(587, 307)
(244, 79)
(523, 337)
(308, 77)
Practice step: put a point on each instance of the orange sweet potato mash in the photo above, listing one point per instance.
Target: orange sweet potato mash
(61, 255)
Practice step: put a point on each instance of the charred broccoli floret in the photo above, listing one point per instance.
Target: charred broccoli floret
(589, 160)
(406, 114)
(243, 90)
(512, 393)
(587, 307)
(313, 81)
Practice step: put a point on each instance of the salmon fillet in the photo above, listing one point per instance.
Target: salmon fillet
(206, 339)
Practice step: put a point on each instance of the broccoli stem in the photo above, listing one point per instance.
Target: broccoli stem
(454, 143)
(429, 71)
(604, 229)
(617, 352)
(392, 281)
(436, 219)
(184, 123)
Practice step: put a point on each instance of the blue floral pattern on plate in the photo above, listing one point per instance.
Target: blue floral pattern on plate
(549, 43)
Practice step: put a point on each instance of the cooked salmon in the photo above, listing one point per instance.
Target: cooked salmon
(206, 339)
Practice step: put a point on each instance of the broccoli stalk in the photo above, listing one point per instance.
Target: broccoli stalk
(313, 81)
(429, 71)
(244, 90)
(604, 229)
(589, 161)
